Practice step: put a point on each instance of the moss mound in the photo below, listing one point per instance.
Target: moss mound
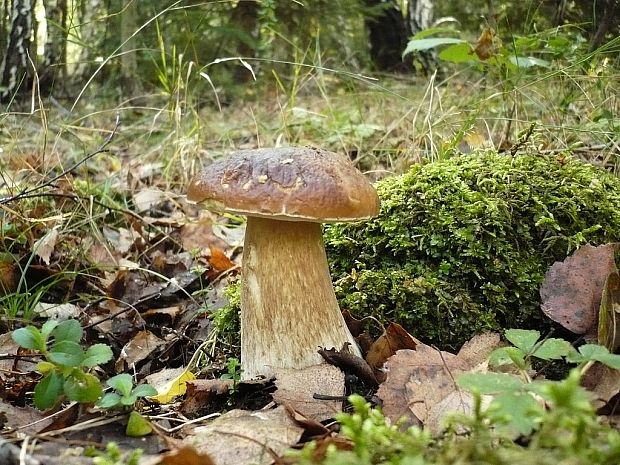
(462, 245)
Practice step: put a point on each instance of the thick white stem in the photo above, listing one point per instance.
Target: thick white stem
(288, 306)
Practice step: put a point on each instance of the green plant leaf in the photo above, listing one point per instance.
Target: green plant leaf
(82, 387)
(144, 390)
(67, 353)
(48, 327)
(109, 400)
(137, 425)
(528, 62)
(611, 360)
(417, 45)
(68, 330)
(458, 53)
(506, 356)
(435, 30)
(45, 367)
(489, 383)
(553, 349)
(48, 391)
(519, 410)
(29, 338)
(524, 339)
(598, 353)
(592, 351)
(129, 400)
(96, 355)
(122, 383)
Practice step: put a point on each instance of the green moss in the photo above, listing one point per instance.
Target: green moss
(462, 245)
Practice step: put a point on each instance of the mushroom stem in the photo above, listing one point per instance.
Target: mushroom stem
(288, 305)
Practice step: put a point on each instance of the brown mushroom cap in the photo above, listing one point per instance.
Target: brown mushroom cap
(291, 183)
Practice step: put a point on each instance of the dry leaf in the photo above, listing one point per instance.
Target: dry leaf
(350, 363)
(136, 350)
(394, 338)
(170, 383)
(312, 428)
(201, 392)
(44, 247)
(148, 198)
(416, 381)
(9, 275)
(57, 311)
(457, 401)
(200, 236)
(218, 259)
(477, 349)
(297, 387)
(603, 381)
(488, 44)
(572, 290)
(240, 437)
(185, 456)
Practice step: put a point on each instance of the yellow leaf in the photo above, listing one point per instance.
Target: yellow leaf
(170, 383)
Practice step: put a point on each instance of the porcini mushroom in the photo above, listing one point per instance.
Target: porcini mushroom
(288, 305)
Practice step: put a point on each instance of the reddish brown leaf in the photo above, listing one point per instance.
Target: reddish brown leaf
(312, 427)
(185, 456)
(393, 338)
(63, 419)
(201, 392)
(571, 292)
(488, 44)
(218, 259)
(356, 326)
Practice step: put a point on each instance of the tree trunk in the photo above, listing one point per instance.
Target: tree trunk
(388, 34)
(244, 17)
(606, 25)
(55, 54)
(4, 12)
(420, 17)
(91, 31)
(129, 59)
(15, 63)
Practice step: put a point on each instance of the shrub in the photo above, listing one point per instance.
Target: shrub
(462, 245)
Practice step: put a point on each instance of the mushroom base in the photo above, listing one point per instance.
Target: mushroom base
(288, 306)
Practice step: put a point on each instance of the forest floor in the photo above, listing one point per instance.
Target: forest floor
(96, 228)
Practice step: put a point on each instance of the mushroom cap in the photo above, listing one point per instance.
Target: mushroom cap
(290, 183)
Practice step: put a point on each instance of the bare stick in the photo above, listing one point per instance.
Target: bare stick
(102, 148)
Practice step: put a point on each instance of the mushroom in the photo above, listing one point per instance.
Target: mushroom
(288, 305)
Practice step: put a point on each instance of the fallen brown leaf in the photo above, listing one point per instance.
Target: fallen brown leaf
(185, 456)
(416, 381)
(296, 389)
(477, 349)
(603, 381)
(394, 338)
(136, 350)
(240, 437)
(201, 392)
(572, 290)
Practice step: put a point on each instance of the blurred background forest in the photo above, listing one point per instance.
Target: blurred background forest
(145, 45)
(384, 77)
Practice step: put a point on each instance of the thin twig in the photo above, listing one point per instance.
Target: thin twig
(101, 149)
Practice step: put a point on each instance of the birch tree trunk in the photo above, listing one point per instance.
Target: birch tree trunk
(15, 64)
